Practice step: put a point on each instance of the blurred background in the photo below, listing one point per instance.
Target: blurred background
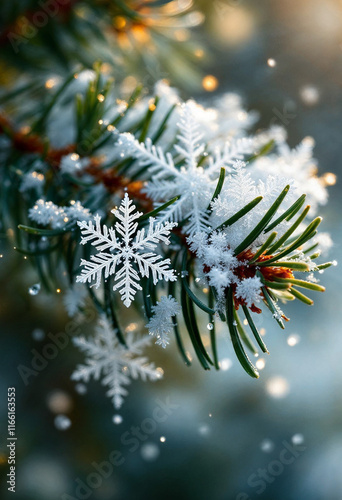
(226, 431)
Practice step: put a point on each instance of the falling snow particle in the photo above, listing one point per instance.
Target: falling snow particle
(62, 423)
(267, 446)
(117, 419)
(149, 452)
(297, 439)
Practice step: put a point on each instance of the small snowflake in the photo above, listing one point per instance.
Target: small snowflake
(161, 325)
(249, 290)
(112, 362)
(123, 252)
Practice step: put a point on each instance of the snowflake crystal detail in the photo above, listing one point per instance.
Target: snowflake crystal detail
(161, 324)
(113, 363)
(123, 252)
(193, 183)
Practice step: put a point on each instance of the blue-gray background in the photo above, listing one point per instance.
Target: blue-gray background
(211, 456)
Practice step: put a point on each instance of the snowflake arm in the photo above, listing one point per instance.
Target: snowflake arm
(233, 150)
(101, 240)
(160, 164)
(126, 225)
(159, 268)
(127, 283)
(92, 269)
(189, 137)
(156, 233)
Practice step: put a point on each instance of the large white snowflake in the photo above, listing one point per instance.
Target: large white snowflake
(182, 174)
(113, 363)
(120, 249)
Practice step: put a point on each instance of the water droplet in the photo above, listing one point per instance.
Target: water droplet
(210, 326)
(197, 280)
(297, 439)
(162, 439)
(62, 422)
(34, 289)
(149, 452)
(117, 419)
(267, 446)
(210, 415)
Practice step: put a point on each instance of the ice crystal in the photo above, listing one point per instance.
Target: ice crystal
(113, 363)
(239, 189)
(32, 181)
(121, 247)
(249, 290)
(193, 183)
(161, 325)
(46, 213)
(76, 211)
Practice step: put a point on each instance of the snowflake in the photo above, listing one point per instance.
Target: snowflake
(214, 254)
(248, 290)
(125, 251)
(109, 360)
(161, 325)
(192, 182)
